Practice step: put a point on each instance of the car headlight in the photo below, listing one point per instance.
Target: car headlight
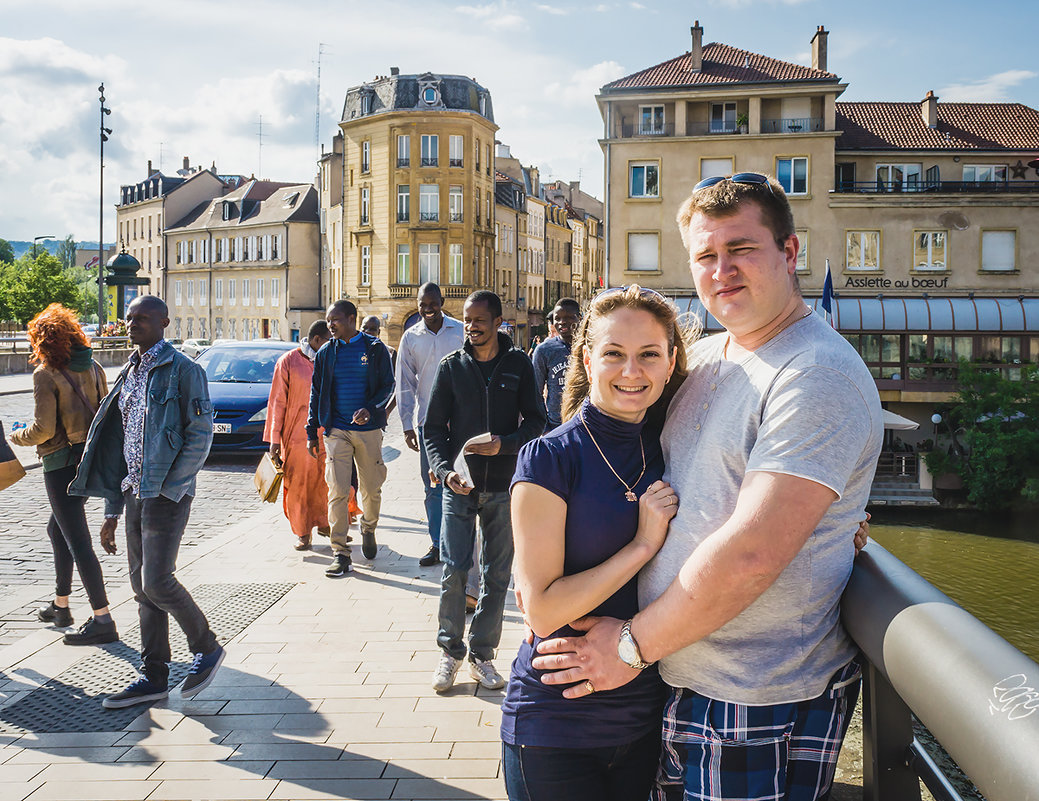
(260, 416)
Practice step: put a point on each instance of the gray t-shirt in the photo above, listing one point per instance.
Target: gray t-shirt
(550, 360)
(805, 405)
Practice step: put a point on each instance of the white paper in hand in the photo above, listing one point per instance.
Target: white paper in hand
(461, 466)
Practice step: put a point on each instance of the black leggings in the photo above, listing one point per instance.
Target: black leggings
(70, 538)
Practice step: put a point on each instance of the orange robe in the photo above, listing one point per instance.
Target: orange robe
(304, 492)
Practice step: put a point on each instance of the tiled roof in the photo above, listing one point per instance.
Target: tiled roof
(722, 64)
(961, 126)
(263, 201)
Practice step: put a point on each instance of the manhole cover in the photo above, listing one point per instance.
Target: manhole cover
(71, 701)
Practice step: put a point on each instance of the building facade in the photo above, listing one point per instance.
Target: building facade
(246, 265)
(924, 211)
(407, 195)
(509, 225)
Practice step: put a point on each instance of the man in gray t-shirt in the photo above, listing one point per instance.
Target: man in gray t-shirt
(552, 356)
(771, 444)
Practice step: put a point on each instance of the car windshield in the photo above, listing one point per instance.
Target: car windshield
(240, 365)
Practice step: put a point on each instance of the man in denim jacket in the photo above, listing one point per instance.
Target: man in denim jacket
(147, 443)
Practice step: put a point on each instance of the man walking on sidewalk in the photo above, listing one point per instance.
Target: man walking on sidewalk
(487, 387)
(422, 346)
(145, 447)
(552, 356)
(353, 383)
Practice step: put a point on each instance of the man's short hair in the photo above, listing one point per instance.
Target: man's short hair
(152, 303)
(430, 288)
(371, 321)
(486, 296)
(347, 308)
(725, 198)
(567, 303)
(318, 328)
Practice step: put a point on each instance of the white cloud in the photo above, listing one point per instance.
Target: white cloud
(993, 89)
(584, 84)
(496, 16)
(559, 12)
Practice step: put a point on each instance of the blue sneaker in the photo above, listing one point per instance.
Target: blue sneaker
(201, 672)
(141, 691)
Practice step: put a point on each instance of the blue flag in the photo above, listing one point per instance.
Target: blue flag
(827, 301)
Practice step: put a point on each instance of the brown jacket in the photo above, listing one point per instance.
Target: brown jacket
(60, 417)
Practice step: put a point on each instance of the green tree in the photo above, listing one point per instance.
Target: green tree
(35, 284)
(67, 252)
(6, 252)
(996, 446)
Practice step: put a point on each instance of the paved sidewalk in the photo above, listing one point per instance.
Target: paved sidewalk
(325, 694)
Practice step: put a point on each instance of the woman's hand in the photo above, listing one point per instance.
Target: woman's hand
(657, 506)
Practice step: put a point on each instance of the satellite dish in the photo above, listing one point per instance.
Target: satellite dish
(954, 219)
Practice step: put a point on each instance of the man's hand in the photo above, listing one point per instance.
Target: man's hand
(486, 448)
(592, 657)
(411, 439)
(433, 480)
(108, 535)
(457, 485)
(862, 534)
(361, 417)
(275, 452)
(312, 448)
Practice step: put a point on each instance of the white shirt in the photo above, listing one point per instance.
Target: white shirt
(418, 357)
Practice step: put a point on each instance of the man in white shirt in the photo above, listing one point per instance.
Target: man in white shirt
(421, 348)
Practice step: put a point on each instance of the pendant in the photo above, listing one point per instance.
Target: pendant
(630, 496)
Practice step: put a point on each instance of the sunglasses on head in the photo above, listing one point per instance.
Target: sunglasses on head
(752, 178)
(644, 291)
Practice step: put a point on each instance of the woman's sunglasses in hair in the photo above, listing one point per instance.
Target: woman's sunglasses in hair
(752, 178)
(644, 291)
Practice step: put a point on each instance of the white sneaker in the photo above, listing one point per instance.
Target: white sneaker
(444, 675)
(485, 673)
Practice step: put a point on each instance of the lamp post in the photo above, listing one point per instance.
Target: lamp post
(101, 215)
(36, 239)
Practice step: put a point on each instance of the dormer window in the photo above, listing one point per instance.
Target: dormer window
(366, 102)
(429, 91)
(429, 95)
(227, 211)
(290, 199)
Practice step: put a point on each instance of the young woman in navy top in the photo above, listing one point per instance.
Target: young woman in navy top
(589, 509)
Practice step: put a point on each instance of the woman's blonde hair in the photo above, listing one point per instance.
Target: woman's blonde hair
(680, 334)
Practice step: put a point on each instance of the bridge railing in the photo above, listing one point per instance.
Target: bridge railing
(976, 694)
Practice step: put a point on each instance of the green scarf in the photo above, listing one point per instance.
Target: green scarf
(81, 359)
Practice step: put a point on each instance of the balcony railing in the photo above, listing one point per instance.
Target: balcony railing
(405, 162)
(457, 291)
(630, 130)
(429, 216)
(398, 291)
(953, 187)
(403, 216)
(429, 161)
(454, 162)
(793, 125)
(456, 216)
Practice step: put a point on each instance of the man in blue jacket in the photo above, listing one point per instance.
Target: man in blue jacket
(353, 383)
(146, 445)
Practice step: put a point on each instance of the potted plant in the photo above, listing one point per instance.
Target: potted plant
(742, 121)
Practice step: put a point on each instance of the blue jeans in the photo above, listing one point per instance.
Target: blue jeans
(456, 550)
(154, 528)
(434, 495)
(609, 773)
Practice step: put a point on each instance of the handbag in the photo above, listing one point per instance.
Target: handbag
(11, 469)
(268, 479)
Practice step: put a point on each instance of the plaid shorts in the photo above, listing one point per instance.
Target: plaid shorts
(718, 751)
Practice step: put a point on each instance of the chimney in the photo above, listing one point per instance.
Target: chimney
(187, 164)
(929, 109)
(394, 70)
(696, 54)
(148, 174)
(819, 49)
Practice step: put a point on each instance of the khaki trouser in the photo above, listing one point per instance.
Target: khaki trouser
(342, 450)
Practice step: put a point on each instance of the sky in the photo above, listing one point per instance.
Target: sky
(195, 77)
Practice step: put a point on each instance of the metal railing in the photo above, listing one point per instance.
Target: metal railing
(454, 162)
(927, 657)
(630, 129)
(793, 125)
(428, 161)
(403, 162)
(898, 464)
(955, 187)
(429, 216)
(456, 216)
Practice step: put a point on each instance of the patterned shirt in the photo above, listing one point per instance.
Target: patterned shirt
(133, 403)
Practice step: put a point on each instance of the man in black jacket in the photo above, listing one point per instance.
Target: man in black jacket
(487, 387)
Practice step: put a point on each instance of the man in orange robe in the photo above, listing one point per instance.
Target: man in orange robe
(304, 492)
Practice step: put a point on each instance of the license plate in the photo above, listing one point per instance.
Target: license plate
(221, 428)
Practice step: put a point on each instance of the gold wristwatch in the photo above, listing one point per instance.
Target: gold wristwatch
(628, 649)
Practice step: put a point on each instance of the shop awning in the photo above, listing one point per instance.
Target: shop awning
(969, 315)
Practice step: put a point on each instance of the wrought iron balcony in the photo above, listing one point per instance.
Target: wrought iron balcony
(454, 162)
(429, 216)
(403, 162)
(456, 216)
(403, 216)
(935, 187)
(629, 130)
(793, 125)
(429, 161)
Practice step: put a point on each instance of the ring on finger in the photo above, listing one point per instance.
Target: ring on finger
(589, 686)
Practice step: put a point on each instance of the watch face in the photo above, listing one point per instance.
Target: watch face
(626, 651)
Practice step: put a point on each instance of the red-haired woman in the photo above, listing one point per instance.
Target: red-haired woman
(68, 387)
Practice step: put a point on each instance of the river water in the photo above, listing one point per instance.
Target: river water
(988, 564)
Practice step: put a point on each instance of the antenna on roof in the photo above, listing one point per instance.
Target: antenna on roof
(317, 102)
(160, 155)
(259, 150)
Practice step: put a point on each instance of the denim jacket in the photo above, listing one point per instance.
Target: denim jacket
(178, 430)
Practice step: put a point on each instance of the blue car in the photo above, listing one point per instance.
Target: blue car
(240, 376)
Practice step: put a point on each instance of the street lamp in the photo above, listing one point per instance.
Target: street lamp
(36, 239)
(101, 215)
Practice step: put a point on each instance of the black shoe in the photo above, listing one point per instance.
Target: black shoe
(58, 615)
(340, 566)
(431, 558)
(369, 547)
(201, 672)
(92, 633)
(141, 691)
